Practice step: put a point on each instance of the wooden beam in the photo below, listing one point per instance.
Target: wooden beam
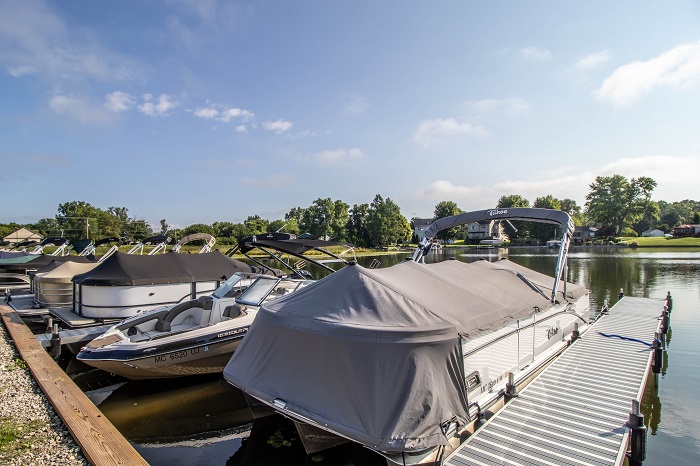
(100, 441)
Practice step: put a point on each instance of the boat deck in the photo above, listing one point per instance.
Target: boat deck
(575, 412)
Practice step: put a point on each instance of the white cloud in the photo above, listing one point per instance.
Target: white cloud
(206, 113)
(80, 110)
(573, 182)
(431, 132)
(223, 113)
(593, 60)
(532, 53)
(677, 68)
(509, 107)
(340, 156)
(163, 106)
(35, 40)
(119, 101)
(241, 129)
(280, 126)
(355, 105)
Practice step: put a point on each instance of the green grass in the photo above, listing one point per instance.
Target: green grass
(656, 242)
(12, 436)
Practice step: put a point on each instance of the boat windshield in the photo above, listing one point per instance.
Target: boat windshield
(258, 291)
(231, 287)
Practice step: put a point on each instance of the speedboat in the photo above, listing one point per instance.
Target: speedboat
(195, 337)
(404, 359)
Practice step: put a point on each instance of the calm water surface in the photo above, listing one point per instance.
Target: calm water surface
(206, 421)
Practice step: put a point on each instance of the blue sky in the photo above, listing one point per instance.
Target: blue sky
(204, 110)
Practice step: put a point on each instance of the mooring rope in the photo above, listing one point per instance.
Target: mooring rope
(610, 335)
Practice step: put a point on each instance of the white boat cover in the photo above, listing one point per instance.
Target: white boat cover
(375, 355)
(63, 272)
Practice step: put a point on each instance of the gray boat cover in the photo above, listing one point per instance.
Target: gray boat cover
(375, 355)
(125, 270)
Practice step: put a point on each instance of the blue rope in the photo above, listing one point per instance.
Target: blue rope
(610, 335)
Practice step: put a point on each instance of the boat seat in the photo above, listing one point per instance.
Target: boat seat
(233, 311)
(199, 310)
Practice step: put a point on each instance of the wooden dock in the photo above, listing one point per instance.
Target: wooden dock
(100, 441)
(576, 411)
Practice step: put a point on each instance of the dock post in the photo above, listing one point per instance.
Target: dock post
(575, 334)
(658, 357)
(55, 342)
(669, 301)
(511, 391)
(664, 320)
(638, 437)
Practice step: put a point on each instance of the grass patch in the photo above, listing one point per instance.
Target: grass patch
(16, 436)
(661, 242)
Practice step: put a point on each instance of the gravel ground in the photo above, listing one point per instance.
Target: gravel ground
(45, 439)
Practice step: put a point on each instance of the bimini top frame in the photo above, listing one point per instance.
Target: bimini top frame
(275, 245)
(209, 241)
(556, 217)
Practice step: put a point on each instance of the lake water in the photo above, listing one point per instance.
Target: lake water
(206, 421)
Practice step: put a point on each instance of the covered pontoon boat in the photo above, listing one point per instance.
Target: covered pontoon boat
(125, 285)
(401, 358)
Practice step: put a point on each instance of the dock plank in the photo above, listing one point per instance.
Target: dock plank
(575, 411)
(100, 441)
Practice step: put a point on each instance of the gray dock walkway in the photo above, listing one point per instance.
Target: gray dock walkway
(575, 411)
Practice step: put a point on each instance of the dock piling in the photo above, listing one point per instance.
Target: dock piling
(575, 333)
(55, 342)
(638, 438)
(511, 391)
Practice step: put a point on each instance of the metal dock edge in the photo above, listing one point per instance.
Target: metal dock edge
(576, 411)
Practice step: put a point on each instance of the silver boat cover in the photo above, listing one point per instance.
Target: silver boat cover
(375, 355)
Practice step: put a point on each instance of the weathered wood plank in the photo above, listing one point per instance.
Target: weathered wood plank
(100, 441)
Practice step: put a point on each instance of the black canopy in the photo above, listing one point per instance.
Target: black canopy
(124, 269)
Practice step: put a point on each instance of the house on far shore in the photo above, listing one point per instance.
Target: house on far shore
(419, 227)
(654, 232)
(23, 234)
(686, 230)
(582, 234)
(486, 229)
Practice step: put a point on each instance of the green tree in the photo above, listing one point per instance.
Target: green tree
(198, 228)
(45, 227)
(514, 200)
(284, 226)
(319, 218)
(447, 209)
(74, 218)
(615, 201)
(356, 227)
(544, 231)
(255, 225)
(163, 226)
(136, 230)
(385, 223)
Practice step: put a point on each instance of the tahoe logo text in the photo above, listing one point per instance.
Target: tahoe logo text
(497, 212)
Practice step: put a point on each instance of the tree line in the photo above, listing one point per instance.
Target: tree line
(618, 206)
(376, 224)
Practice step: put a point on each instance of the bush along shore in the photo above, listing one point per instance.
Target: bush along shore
(31, 433)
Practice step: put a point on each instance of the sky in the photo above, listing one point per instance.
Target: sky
(196, 111)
